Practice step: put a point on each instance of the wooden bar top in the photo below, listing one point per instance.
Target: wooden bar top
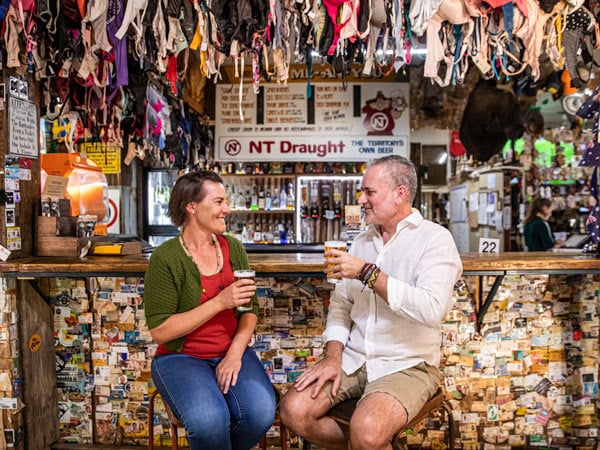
(298, 263)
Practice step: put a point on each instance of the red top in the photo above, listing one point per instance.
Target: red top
(213, 338)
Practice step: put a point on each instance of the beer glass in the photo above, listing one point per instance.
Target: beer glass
(333, 245)
(240, 274)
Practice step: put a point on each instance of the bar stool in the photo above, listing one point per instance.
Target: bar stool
(174, 423)
(342, 412)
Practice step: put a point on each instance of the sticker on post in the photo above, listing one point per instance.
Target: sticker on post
(4, 253)
(488, 245)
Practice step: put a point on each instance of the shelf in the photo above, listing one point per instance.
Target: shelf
(559, 182)
(263, 211)
(260, 175)
(331, 176)
(292, 175)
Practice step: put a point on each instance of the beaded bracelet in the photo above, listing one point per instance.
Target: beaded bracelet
(373, 278)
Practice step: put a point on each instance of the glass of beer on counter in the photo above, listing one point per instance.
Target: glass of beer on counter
(240, 274)
(333, 245)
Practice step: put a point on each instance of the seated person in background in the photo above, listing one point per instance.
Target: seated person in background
(537, 232)
(560, 159)
(383, 327)
(203, 368)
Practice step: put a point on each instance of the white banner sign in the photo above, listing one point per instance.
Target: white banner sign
(22, 127)
(364, 121)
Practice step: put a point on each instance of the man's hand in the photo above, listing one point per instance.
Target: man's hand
(343, 264)
(327, 369)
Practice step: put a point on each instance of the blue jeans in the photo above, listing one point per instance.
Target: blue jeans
(213, 421)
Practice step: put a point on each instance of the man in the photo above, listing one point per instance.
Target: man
(383, 326)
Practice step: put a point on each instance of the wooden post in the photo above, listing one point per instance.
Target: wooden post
(29, 190)
(38, 372)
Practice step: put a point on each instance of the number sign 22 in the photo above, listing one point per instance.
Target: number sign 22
(487, 245)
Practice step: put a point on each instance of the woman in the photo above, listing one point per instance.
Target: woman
(203, 367)
(538, 236)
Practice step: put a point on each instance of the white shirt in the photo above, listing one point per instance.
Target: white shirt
(423, 264)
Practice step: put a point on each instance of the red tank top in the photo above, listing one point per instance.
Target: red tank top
(213, 338)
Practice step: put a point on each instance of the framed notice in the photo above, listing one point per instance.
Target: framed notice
(23, 137)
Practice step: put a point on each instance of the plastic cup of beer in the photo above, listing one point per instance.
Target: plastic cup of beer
(241, 274)
(333, 245)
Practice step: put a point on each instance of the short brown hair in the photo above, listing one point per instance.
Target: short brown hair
(188, 188)
(400, 171)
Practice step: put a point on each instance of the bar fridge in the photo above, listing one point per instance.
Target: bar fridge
(157, 226)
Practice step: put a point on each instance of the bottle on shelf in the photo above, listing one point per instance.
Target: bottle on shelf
(268, 198)
(254, 198)
(264, 230)
(275, 232)
(269, 232)
(282, 233)
(244, 234)
(257, 232)
(291, 198)
(248, 199)
(240, 202)
(275, 202)
(290, 237)
(261, 197)
(236, 230)
(282, 196)
(249, 232)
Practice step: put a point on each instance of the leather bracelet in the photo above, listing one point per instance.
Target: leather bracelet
(373, 278)
(367, 275)
(361, 272)
(364, 274)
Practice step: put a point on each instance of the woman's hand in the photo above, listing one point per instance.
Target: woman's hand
(344, 265)
(237, 293)
(227, 372)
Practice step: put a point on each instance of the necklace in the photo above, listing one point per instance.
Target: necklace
(215, 245)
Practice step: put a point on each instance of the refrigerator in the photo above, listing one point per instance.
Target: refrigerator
(157, 226)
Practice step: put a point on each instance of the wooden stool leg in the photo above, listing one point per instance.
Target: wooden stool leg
(174, 437)
(450, 419)
(151, 421)
(282, 436)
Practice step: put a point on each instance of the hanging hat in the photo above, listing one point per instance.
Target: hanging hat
(456, 146)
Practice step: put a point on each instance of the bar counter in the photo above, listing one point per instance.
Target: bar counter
(30, 277)
(301, 263)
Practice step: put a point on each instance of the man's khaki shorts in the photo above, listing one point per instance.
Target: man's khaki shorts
(411, 387)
